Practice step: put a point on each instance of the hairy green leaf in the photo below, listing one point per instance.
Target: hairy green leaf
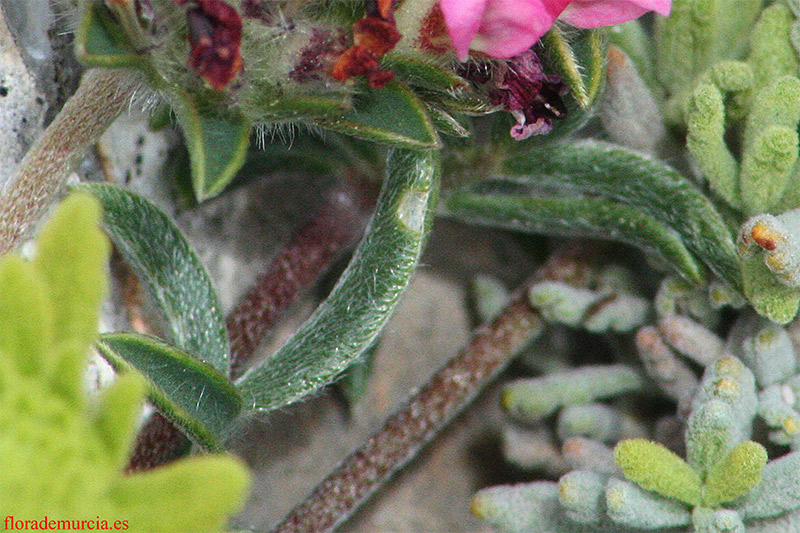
(217, 146)
(419, 71)
(169, 268)
(735, 474)
(594, 168)
(190, 393)
(768, 296)
(574, 216)
(391, 115)
(100, 41)
(348, 322)
(579, 60)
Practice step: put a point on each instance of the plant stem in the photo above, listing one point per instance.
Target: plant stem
(100, 98)
(446, 394)
(159, 442)
(311, 251)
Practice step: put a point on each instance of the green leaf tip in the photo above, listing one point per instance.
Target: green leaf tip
(579, 61)
(391, 115)
(654, 467)
(738, 472)
(100, 41)
(217, 145)
(768, 296)
(189, 392)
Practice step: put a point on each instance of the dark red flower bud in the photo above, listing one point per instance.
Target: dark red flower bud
(215, 35)
(373, 35)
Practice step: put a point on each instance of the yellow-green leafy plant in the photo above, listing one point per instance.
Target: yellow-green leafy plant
(63, 452)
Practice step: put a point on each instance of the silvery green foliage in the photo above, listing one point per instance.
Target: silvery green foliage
(724, 484)
(718, 488)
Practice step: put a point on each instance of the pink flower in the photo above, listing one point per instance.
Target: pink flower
(504, 28)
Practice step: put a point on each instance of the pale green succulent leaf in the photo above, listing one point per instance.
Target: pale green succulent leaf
(630, 505)
(654, 467)
(735, 474)
(526, 507)
(171, 271)
(768, 296)
(779, 490)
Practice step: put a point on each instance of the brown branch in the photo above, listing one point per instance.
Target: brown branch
(447, 393)
(102, 95)
(159, 442)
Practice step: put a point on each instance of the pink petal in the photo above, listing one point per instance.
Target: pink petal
(510, 27)
(463, 18)
(596, 13)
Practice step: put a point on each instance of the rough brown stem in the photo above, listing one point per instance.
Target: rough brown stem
(100, 98)
(447, 393)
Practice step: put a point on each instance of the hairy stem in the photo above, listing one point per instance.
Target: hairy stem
(100, 98)
(447, 393)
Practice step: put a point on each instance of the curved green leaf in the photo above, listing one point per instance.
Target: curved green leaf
(269, 104)
(189, 392)
(102, 42)
(576, 216)
(169, 268)
(347, 323)
(580, 61)
(419, 71)
(447, 123)
(608, 171)
(391, 115)
(217, 146)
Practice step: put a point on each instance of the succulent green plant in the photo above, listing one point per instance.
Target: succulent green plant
(63, 453)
